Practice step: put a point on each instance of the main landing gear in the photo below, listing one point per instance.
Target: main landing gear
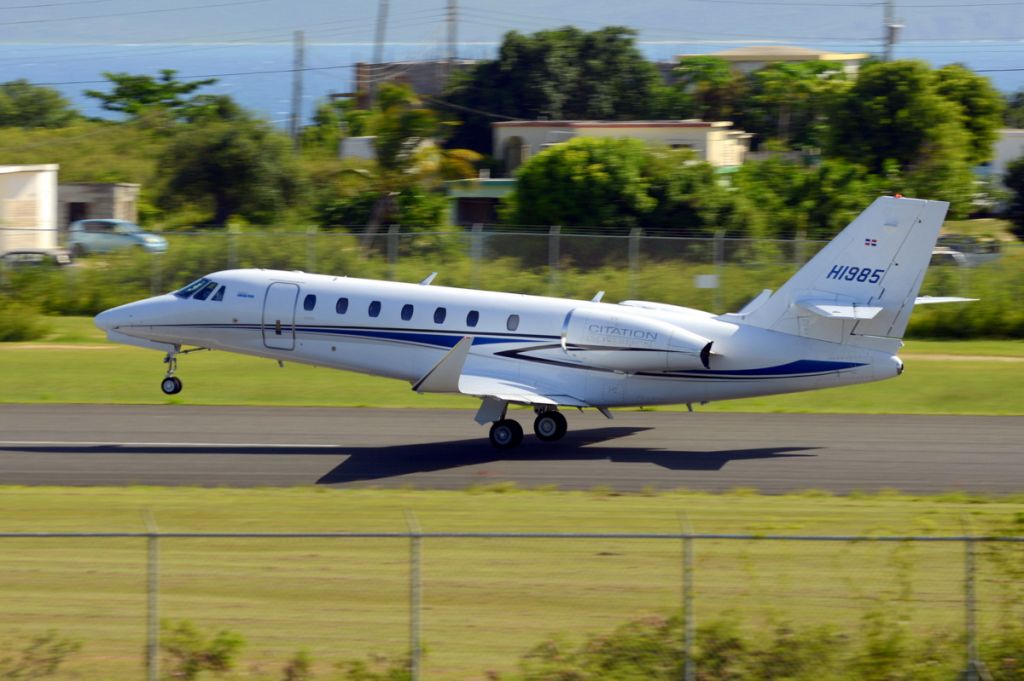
(549, 426)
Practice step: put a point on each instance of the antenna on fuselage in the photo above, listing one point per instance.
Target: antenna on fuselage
(428, 279)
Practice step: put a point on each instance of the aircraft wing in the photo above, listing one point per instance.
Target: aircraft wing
(448, 376)
(514, 391)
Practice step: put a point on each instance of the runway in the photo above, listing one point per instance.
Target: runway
(246, 446)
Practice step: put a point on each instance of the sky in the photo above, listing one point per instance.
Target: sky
(824, 22)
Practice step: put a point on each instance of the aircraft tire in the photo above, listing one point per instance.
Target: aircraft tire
(550, 426)
(506, 434)
(171, 385)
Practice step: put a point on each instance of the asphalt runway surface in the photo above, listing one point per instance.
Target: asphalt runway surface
(445, 449)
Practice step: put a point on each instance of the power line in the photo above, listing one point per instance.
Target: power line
(133, 13)
(212, 75)
(53, 4)
(470, 109)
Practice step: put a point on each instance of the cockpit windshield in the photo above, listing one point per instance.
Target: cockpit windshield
(200, 289)
(192, 288)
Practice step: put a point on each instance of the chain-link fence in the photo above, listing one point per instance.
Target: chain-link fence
(717, 274)
(447, 605)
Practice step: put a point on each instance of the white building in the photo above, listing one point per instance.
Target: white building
(750, 59)
(28, 207)
(715, 142)
(1009, 146)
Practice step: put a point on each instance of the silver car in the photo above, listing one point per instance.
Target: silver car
(104, 236)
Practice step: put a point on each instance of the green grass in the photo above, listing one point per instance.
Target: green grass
(113, 374)
(485, 601)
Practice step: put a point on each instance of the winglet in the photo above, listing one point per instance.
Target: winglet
(444, 377)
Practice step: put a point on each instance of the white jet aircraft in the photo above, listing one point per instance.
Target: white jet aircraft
(837, 321)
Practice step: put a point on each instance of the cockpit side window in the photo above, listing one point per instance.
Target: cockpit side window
(219, 295)
(192, 288)
(204, 293)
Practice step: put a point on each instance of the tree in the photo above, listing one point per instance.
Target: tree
(792, 199)
(135, 94)
(24, 105)
(617, 184)
(1014, 180)
(409, 162)
(716, 90)
(791, 100)
(1013, 116)
(981, 108)
(890, 114)
(240, 167)
(564, 73)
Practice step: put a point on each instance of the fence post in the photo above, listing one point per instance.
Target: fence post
(973, 672)
(156, 274)
(152, 601)
(393, 231)
(689, 620)
(476, 252)
(232, 247)
(553, 257)
(415, 647)
(311, 232)
(635, 235)
(719, 246)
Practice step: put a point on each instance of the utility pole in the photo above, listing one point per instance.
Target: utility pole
(453, 13)
(891, 30)
(378, 48)
(300, 66)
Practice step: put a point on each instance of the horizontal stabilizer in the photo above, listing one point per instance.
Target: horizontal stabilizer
(444, 377)
(836, 310)
(932, 300)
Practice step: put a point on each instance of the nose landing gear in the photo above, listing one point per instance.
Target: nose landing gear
(171, 385)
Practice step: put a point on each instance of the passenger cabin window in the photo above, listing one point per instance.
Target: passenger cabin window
(375, 308)
(406, 312)
(472, 318)
(219, 295)
(341, 307)
(309, 302)
(513, 322)
(439, 315)
(204, 293)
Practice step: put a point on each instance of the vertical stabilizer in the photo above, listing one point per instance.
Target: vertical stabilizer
(860, 288)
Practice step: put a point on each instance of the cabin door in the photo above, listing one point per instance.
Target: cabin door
(279, 316)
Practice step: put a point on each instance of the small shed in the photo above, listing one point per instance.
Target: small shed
(83, 200)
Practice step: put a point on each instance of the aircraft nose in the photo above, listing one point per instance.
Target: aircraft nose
(110, 320)
(106, 320)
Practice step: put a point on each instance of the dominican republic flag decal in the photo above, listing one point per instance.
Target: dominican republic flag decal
(870, 242)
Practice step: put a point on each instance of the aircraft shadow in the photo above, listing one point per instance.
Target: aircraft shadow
(375, 463)
(363, 464)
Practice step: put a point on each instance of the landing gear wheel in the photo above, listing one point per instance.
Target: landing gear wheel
(550, 426)
(171, 385)
(506, 434)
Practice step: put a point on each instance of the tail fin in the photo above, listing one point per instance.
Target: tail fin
(859, 289)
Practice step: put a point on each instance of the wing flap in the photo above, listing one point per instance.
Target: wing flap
(514, 391)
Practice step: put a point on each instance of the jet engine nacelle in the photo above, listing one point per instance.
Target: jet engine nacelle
(609, 339)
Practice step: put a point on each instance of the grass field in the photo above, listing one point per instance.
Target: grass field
(485, 601)
(75, 365)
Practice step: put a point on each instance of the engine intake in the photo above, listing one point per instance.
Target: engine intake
(609, 339)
